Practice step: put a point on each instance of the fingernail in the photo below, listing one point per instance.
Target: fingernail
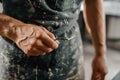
(50, 51)
(57, 42)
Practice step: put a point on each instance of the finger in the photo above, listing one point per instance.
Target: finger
(96, 76)
(103, 77)
(39, 45)
(51, 35)
(101, 74)
(49, 41)
(36, 52)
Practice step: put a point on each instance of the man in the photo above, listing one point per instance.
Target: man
(41, 40)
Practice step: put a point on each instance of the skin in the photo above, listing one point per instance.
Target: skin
(94, 19)
(36, 40)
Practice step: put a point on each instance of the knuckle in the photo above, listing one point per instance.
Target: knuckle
(43, 34)
(33, 43)
(52, 35)
(38, 34)
(29, 49)
(43, 28)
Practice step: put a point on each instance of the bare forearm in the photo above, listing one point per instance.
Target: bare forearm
(8, 26)
(94, 17)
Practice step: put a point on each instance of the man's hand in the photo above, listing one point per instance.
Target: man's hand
(34, 40)
(99, 68)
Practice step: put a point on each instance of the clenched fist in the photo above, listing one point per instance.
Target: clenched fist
(35, 40)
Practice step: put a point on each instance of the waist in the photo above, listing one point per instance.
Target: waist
(55, 23)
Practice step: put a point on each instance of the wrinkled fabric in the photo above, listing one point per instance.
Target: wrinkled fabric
(60, 18)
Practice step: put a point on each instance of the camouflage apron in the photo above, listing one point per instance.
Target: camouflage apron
(59, 17)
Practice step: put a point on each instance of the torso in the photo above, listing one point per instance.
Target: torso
(35, 9)
(64, 63)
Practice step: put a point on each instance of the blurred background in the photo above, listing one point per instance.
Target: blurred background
(112, 14)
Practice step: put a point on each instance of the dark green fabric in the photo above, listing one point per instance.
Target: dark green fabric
(59, 17)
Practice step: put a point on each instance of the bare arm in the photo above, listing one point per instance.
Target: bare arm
(94, 18)
(32, 39)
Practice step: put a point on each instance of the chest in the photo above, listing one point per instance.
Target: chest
(60, 5)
